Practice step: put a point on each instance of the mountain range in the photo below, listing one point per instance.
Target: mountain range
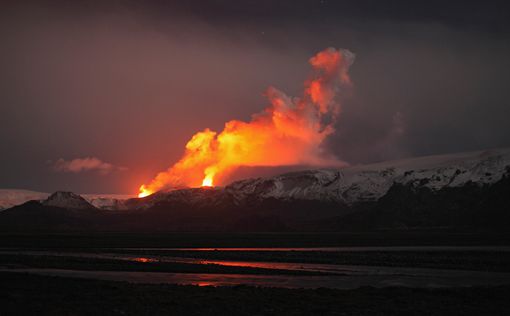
(455, 191)
(13, 197)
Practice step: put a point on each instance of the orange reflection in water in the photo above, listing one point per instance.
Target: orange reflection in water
(205, 283)
(247, 264)
(143, 259)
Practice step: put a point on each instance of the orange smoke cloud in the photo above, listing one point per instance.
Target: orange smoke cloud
(288, 132)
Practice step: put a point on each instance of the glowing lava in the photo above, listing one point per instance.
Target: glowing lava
(290, 131)
(207, 182)
(144, 192)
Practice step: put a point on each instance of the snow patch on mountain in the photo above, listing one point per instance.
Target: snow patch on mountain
(370, 182)
(108, 201)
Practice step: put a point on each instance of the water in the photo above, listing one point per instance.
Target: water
(428, 280)
(338, 275)
(336, 249)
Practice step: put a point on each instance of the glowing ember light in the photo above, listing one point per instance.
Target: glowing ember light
(289, 131)
(144, 192)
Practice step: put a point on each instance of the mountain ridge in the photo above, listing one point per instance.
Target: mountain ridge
(467, 190)
(364, 183)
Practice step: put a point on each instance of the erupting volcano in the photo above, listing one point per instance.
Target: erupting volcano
(288, 132)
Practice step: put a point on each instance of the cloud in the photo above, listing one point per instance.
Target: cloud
(78, 165)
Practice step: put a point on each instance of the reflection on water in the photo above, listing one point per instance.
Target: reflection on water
(339, 269)
(308, 267)
(205, 283)
(143, 259)
(337, 249)
(339, 276)
(286, 281)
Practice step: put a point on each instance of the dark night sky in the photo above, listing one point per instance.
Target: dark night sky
(129, 83)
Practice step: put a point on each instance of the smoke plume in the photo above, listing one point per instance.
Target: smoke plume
(289, 131)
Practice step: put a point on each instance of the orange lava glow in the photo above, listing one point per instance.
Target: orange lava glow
(207, 182)
(144, 192)
(289, 131)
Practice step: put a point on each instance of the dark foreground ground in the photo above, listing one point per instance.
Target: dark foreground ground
(31, 294)
(37, 240)
(24, 294)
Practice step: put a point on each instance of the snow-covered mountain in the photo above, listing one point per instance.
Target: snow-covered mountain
(107, 201)
(356, 183)
(346, 186)
(67, 200)
(12, 197)
(459, 191)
